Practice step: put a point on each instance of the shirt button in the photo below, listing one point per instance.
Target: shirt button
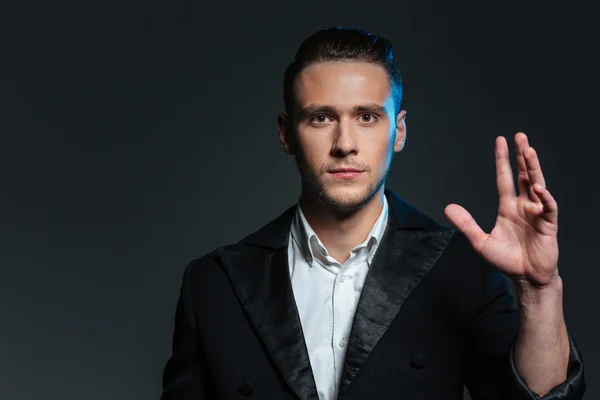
(342, 343)
(342, 278)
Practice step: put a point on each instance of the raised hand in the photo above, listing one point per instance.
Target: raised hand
(523, 244)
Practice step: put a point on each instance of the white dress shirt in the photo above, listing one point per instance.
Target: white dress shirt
(326, 294)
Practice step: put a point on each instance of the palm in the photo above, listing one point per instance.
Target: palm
(523, 243)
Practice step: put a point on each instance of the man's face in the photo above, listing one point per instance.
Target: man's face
(344, 131)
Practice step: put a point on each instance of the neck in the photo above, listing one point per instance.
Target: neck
(341, 232)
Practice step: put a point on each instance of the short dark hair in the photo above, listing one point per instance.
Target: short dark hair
(340, 44)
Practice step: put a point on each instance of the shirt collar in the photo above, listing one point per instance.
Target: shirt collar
(309, 242)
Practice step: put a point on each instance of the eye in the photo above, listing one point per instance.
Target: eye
(369, 118)
(319, 119)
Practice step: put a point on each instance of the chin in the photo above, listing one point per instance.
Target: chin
(346, 197)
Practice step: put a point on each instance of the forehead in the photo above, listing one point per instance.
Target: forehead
(343, 84)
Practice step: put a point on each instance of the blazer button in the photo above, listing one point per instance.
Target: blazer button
(419, 361)
(246, 389)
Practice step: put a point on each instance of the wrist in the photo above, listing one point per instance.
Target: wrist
(549, 283)
(539, 297)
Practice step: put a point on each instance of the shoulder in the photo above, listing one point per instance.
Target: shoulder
(209, 267)
(201, 268)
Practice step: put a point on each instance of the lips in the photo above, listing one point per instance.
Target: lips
(345, 173)
(343, 170)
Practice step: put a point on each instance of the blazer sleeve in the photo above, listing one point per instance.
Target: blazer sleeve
(184, 376)
(491, 371)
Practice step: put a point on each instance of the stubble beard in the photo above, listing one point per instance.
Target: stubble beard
(344, 203)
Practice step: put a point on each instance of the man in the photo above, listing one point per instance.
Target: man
(355, 294)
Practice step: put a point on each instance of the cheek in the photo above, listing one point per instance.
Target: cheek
(382, 153)
(314, 151)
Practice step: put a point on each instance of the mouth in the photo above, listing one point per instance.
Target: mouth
(345, 173)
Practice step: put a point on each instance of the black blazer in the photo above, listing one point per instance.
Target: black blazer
(432, 318)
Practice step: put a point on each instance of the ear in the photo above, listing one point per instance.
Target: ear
(400, 131)
(285, 133)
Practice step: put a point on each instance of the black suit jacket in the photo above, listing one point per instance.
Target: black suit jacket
(432, 318)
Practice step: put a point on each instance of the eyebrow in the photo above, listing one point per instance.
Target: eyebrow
(324, 109)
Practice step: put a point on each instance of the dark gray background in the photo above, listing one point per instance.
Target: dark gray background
(138, 136)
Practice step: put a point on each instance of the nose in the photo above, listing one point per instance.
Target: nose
(344, 141)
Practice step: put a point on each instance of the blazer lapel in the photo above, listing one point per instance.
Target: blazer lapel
(258, 270)
(410, 247)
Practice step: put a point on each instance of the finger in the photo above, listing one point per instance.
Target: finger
(522, 143)
(504, 177)
(524, 181)
(548, 204)
(534, 171)
(465, 223)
